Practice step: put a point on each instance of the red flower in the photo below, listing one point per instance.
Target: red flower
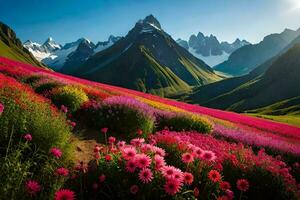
(224, 185)
(214, 176)
(172, 186)
(102, 178)
(188, 178)
(108, 158)
(64, 194)
(196, 192)
(104, 130)
(242, 185)
(139, 132)
(32, 187)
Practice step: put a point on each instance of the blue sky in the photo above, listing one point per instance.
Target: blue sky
(67, 20)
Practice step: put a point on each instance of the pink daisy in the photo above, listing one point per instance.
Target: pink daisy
(1, 108)
(130, 166)
(62, 172)
(198, 152)
(28, 137)
(159, 151)
(63, 108)
(208, 155)
(188, 178)
(145, 175)
(168, 171)
(32, 187)
(137, 141)
(121, 144)
(128, 153)
(187, 158)
(56, 152)
(142, 161)
(64, 194)
(242, 185)
(159, 161)
(134, 189)
(214, 176)
(172, 186)
(224, 185)
(111, 140)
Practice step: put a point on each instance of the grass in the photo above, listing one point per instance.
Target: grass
(288, 119)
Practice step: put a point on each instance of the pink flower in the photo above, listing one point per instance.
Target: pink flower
(121, 144)
(137, 141)
(145, 175)
(188, 178)
(97, 149)
(56, 152)
(172, 186)
(187, 158)
(63, 108)
(62, 172)
(64, 194)
(168, 171)
(128, 153)
(159, 151)
(142, 161)
(242, 185)
(111, 140)
(208, 155)
(32, 187)
(102, 178)
(197, 152)
(229, 194)
(130, 166)
(214, 176)
(159, 161)
(104, 130)
(28, 137)
(1, 108)
(134, 189)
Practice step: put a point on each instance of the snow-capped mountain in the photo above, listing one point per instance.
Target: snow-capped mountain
(57, 56)
(209, 49)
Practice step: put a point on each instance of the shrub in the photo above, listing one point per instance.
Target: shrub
(32, 79)
(182, 122)
(123, 116)
(70, 96)
(46, 85)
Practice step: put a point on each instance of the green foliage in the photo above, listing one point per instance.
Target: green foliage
(46, 86)
(70, 96)
(183, 122)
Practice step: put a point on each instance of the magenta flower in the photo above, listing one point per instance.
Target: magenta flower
(32, 187)
(187, 158)
(128, 153)
(1, 108)
(242, 185)
(64, 194)
(188, 178)
(111, 140)
(145, 175)
(142, 161)
(28, 137)
(134, 189)
(214, 176)
(172, 187)
(130, 166)
(63, 108)
(102, 178)
(62, 172)
(104, 130)
(56, 152)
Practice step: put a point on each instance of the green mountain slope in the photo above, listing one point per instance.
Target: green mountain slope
(149, 60)
(280, 82)
(248, 57)
(11, 47)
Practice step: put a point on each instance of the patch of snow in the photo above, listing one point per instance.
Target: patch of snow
(210, 60)
(102, 47)
(153, 25)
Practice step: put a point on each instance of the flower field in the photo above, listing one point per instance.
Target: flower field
(147, 146)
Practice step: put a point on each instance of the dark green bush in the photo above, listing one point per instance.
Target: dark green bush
(46, 86)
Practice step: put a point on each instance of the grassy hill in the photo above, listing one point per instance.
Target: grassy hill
(11, 47)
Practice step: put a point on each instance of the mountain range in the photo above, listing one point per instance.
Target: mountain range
(209, 49)
(149, 60)
(11, 47)
(271, 88)
(245, 59)
(71, 54)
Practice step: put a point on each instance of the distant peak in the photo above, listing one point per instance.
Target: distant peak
(50, 39)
